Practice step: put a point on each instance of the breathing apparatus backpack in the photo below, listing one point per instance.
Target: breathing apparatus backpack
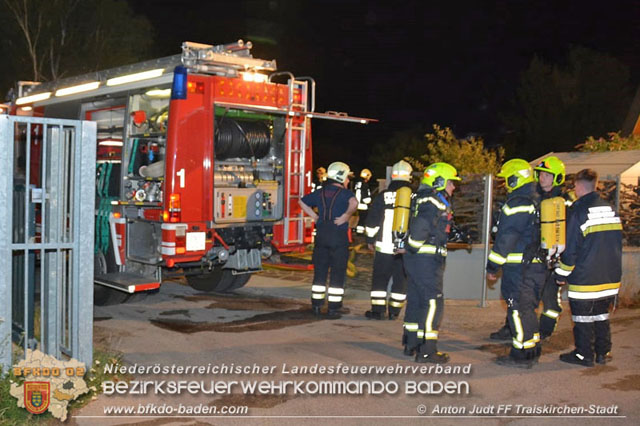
(553, 226)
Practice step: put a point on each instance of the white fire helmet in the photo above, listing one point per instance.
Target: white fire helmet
(401, 171)
(338, 171)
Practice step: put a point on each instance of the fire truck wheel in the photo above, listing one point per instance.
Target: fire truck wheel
(217, 280)
(240, 281)
(103, 296)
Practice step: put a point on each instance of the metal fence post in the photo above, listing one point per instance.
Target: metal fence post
(486, 231)
(84, 204)
(6, 198)
(618, 185)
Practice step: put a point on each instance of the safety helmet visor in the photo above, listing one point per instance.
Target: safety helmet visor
(554, 166)
(516, 173)
(438, 175)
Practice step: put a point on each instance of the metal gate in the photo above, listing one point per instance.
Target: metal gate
(47, 198)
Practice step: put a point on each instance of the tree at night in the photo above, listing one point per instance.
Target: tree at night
(468, 156)
(51, 39)
(558, 106)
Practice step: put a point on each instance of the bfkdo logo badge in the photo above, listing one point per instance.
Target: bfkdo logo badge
(36, 396)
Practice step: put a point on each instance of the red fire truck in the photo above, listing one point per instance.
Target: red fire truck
(201, 160)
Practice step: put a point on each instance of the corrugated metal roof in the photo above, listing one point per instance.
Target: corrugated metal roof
(610, 163)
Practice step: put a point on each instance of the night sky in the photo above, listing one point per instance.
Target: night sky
(407, 63)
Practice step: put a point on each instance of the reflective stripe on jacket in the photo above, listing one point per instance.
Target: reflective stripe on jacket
(516, 228)
(430, 222)
(592, 260)
(379, 222)
(363, 194)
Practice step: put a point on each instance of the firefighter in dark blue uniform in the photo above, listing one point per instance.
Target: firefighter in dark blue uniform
(592, 266)
(335, 206)
(515, 251)
(424, 261)
(387, 264)
(550, 175)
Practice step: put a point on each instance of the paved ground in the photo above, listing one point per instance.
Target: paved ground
(268, 324)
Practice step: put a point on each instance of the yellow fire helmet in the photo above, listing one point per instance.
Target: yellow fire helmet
(516, 173)
(365, 174)
(338, 171)
(553, 165)
(321, 173)
(401, 171)
(438, 175)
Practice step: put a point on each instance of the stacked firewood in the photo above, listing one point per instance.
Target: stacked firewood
(468, 206)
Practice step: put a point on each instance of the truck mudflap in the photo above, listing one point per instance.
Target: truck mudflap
(118, 229)
(127, 282)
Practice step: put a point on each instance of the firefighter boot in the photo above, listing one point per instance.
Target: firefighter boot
(434, 357)
(427, 352)
(333, 314)
(393, 313)
(519, 358)
(409, 351)
(604, 358)
(374, 315)
(547, 326)
(574, 357)
(538, 351)
(509, 361)
(316, 311)
(503, 334)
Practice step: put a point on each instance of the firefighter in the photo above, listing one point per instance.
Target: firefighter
(335, 206)
(592, 265)
(321, 176)
(550, 175)
(363, 195)
(387, 263)
(424, 262)
(516, 252)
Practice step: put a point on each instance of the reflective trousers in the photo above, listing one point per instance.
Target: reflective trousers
(521, 288)
(425, 301)
(551, 305)
(362, 220)
(385, 267)
(591, 328)
(327, 258)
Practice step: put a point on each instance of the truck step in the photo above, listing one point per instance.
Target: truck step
(127, 282)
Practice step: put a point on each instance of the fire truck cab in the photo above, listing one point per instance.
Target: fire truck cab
(201, 160)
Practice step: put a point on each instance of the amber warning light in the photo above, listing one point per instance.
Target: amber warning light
(174, 208)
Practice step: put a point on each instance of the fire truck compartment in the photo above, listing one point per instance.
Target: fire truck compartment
(142, 241)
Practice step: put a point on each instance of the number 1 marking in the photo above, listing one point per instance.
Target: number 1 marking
(181, 176)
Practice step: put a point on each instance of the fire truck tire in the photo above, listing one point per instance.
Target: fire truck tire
(240, 281)
(217, 280)
(103, 296)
